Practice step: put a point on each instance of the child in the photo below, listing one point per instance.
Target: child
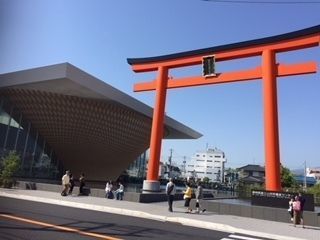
(290, 209)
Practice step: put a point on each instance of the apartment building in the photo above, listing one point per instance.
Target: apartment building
(209, 163)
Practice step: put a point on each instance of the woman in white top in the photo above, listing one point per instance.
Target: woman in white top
(108, 189)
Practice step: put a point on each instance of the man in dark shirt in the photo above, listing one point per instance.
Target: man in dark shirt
(171, 191)
(82, 184)
(302, 202)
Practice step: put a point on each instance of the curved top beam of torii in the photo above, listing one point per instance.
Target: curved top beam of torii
(268, 71)
(311, 31)
(305, 38)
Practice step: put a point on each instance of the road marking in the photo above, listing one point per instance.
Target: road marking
(66, 229)
(243, 237)
(236, 237)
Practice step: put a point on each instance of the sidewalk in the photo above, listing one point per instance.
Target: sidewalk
(159, 212)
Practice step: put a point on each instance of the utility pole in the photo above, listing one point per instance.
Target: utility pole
(184, 166)
(170, 162)
(305, 175)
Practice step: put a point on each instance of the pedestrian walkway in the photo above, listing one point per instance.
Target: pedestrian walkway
(235, 225)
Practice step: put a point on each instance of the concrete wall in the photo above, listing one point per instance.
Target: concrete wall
(128, 196)
(265, 213)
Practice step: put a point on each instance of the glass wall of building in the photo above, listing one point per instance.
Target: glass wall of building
(38, 159)
(138, 167)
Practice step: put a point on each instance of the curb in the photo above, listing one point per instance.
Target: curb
(140, 214)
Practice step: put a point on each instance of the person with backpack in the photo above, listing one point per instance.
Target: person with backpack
(170, 191)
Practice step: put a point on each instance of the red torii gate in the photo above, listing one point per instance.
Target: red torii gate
(269, 70)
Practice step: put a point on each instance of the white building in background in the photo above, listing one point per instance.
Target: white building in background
(313, 172)
(209, 163)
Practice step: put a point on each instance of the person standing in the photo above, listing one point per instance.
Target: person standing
(302, 202)
(82, 184)
(65, 183)
(170, 191)
(296, 211)
(199, 197)
(290, 209)
(187, 198)
(71, 183)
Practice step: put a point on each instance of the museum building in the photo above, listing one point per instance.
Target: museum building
(59, 117)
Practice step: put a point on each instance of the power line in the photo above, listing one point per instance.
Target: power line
(263, 2)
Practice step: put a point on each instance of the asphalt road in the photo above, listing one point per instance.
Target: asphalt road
(30, 220)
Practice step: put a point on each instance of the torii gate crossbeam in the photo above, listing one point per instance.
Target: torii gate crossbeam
(266, 48)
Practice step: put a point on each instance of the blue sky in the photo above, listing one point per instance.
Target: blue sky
(98, 36)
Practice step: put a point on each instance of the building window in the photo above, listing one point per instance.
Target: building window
(209, 172)
(209, 160)
(256, 174)
(217, 156)
(200, 160)
(38, 160)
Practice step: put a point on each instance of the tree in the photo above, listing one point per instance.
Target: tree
(287, 179)
(315, 190)
(10, 165)
(206, 180)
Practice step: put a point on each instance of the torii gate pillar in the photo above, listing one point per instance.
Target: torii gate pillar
(272, 157)
(152, 184)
